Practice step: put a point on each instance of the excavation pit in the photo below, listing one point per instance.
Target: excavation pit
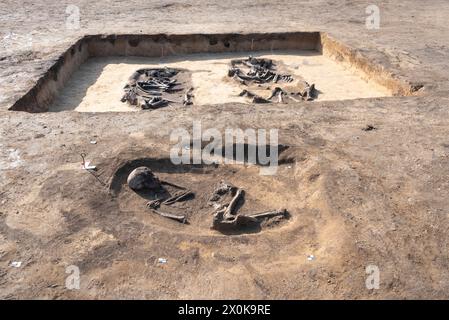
(91, 74)
(260, 193)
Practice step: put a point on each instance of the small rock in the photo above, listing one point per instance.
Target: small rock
(16, 264)
(142, 178)
(369, 128)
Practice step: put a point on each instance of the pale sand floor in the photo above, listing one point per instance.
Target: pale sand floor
(98, 84)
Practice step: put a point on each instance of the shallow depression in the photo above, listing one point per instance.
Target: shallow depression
(261, 194)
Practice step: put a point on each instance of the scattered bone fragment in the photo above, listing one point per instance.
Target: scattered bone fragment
(179, 196)
(229, 211)
(269, 214)
(154, 204)
(280, 100)
(181, 218)
(274, 92)
(188, 97)
(294, 99)
(222, 189)
(309, 93)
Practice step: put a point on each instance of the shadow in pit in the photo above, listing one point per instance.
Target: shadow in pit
(254, 227)
(165, 165)
(250, 229)
(245, 153)
(162, 165)
(76, 90)
(163, 192)
(261, 155)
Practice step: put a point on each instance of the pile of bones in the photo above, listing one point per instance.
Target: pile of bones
(145, 88)
(259, 70)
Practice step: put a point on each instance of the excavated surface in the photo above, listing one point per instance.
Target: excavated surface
(361, 197)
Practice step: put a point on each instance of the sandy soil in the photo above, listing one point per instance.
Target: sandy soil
(357, 197)
(98, 85)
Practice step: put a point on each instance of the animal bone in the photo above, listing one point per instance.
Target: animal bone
(280, 96)
(181, 219)
(296, 100)
(222, 189)
(269, 214)
(236, 76)
(154, 204)
(274, 92)
(178, 197)
(226, 219)
(309, 92)
(187, 97)
(145, 87)
(156, 104)
(172, 185)
(228, 213)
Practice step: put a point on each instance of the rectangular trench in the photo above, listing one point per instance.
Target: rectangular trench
(91, 74)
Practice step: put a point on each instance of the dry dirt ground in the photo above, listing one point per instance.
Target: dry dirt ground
(356, 197)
